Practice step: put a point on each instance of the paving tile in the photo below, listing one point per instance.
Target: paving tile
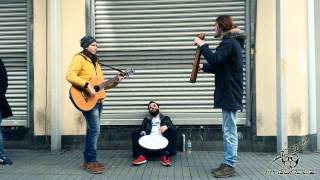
(39, 165)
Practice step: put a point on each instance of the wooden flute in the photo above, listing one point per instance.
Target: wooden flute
(196, 62)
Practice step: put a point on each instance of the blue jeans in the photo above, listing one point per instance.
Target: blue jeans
(1, 139)
(230, 136)
(93, 132)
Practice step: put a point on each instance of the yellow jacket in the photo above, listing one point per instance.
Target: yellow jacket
(81, 70)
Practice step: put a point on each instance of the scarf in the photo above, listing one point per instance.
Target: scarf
(94, 58)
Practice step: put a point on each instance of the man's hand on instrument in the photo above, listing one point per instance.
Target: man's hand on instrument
(120, 77)
(198, 42)
(143, 133)
(162, 129)
(91, 90)
(200, 67)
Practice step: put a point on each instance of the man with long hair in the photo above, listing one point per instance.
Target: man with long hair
(226, 64)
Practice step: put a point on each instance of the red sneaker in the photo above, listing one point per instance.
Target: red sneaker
(165, 160)
(139, 160)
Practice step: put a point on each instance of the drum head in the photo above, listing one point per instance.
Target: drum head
(153, 142)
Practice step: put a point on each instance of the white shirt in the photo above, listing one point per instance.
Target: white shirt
(155, 126)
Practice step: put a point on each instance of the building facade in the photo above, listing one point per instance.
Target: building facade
(40, 37)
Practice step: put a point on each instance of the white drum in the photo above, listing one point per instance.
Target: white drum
(153, 142)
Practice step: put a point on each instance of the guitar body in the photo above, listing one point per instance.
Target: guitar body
(82, 100)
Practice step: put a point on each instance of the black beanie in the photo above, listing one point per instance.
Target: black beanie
(86, 41)
(153, 102)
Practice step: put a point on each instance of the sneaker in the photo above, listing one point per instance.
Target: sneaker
(92, 168)
(218, 168)
(165, 160)
(226, 171)
(5, 161)
(139, 160)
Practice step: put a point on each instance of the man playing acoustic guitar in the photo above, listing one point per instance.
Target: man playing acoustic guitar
(84, 67)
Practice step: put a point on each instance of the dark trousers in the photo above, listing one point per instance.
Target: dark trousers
(170, 150)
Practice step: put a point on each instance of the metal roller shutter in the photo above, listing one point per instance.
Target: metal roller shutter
(155, 37)
(14, 42)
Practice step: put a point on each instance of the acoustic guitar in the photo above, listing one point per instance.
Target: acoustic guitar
(83, 101)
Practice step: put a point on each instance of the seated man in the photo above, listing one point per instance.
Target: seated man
(155, 124)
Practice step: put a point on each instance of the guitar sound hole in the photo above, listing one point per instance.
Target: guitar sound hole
(96, 88)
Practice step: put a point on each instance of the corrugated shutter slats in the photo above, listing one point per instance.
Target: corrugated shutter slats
(155, 37)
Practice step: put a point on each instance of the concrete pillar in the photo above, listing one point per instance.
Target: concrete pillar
(311, 68)
(317, 65)
(281, 96)
(54, 58)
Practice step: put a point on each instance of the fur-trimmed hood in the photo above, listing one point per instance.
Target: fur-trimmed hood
(237, 34)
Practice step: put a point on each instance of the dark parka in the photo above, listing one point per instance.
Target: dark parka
(4, 106)
(147, 123)
(226, 64)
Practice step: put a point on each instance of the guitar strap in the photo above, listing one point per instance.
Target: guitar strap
(116, 69)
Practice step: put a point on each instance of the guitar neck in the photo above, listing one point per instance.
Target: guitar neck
(111, 83)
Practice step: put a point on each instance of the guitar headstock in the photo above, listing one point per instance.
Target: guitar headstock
(128, 72)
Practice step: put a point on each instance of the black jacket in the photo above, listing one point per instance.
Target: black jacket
(226, 63)
(4, 106)
(147, 123)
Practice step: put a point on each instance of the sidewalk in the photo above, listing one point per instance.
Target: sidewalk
(43, 165)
